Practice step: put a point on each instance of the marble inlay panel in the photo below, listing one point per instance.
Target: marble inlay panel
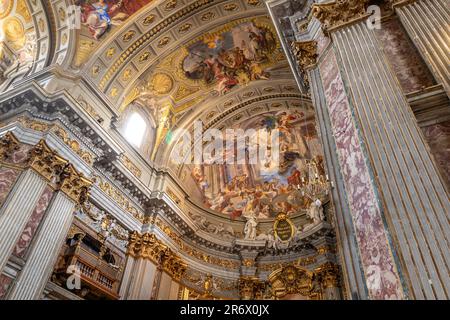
(7, 178)
(5, 283)
(382, 278)
(405, 60)
(438, 138)
(30, 229)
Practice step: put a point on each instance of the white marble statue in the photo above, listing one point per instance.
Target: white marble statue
(250, 227)
(316, 211)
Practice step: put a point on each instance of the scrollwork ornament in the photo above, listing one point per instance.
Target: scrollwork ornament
(147, 246)
(8, 145)
(339, 12)
(75, 185)
(46, 162)
(305, 53)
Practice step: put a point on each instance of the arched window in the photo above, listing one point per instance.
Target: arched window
(135, 129)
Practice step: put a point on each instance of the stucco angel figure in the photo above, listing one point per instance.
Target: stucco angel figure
(250, 227)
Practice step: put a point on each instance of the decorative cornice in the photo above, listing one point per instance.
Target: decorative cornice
(338, 13)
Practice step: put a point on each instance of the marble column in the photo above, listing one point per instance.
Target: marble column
(17, 209)
(397, 202)
(39, 265)
(138, 279)
(140, 270)
(164, 287)
(158, 282)
(174, 289)
(427, 23)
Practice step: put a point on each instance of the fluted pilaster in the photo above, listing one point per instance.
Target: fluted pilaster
(17, 210)
(138, 279)
(397, 199)
(427, 23)
(42, 258)
(415, 201)
(148, 258)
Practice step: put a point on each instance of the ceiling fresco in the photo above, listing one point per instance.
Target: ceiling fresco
(17, 34)
(220, 62)
(212, 66)
(263, 189)
(231, 58)
(100, 17)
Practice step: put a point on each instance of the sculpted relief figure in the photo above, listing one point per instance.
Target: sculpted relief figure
(220, 229)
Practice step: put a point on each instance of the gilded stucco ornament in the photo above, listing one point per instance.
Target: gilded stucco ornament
(251, 288)
(328, 274)
(8, 145)
(338, 13)
(46, 162)
(294, 280)
(75, 185)
(147, 246)
(305, 53)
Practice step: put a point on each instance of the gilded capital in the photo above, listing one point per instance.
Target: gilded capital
(74, 184)
(46, 162)
(340, 12)
(147, 246)
(8, 144)
(305, 53)
(328, 274)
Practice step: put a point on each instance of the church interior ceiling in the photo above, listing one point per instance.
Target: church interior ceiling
(114, 87)
(176, 62)
(221, 64)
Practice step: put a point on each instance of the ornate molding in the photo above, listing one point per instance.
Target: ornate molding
(8, 145)
(75, 185)
(251, 288)
(329, 275)
(339, 13)
(193, 252)
(46, 162)
(147, 246)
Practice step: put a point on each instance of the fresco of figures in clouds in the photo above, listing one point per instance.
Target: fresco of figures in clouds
(263, 189)
(231, 58)
(99, 17)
